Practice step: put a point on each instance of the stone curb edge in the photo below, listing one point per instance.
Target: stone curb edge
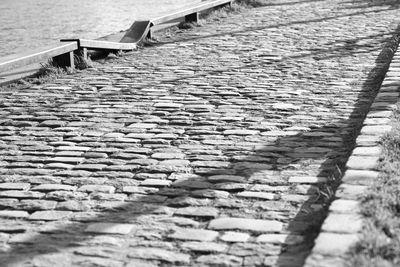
(340, 230)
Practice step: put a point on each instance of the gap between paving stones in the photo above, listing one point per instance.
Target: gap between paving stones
(236, 173)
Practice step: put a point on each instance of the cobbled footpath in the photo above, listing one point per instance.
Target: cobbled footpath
(217, 146)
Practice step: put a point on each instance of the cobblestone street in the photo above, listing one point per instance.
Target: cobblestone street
(219, 145)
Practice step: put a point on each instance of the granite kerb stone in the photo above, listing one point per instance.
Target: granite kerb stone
(341, 228)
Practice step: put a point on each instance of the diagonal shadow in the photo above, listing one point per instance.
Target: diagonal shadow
(278, 25)
(256, 166)
(354, 4)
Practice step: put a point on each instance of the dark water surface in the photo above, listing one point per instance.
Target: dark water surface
(30, 24)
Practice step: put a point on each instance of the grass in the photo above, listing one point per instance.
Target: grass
(47, 73)
(380, 241)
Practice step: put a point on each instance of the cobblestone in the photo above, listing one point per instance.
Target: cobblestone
(245, 224)
(205, 148)
(194, 234)
(110, 228)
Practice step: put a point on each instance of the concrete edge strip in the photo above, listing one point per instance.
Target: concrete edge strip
(341, 228)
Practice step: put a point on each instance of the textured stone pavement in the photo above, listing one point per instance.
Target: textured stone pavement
(218, 146)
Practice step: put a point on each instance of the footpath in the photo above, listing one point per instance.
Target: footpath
(221, 145)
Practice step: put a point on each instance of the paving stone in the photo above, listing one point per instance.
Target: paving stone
(21, 194)
(316, 260)
(8, 203)
(168, 155)
(13, 214)
(54, 187)
(141, 263)
(245, 224)
(73, 205)
(376, 130)
(290, 239)
(168, 105)
(360, 177)
(91, 261)
(183, 222)
(72, 148)
(376, 121)
(174, 163)
(240, 132)
(97, 188)
(205, 247)
(260, 195)
(345, 206)
(219, 260)
(156, 183)
(343, 223)
(59, 166)
(139, 189)
(235, 237)
(159, 254)
(91, 167)
(285, 106)
(342, 244)
(367, 140)
(52, 215)
(33, 205)
(52, 259)
(351, 192)
(227, 178)
(367, 151)
(307, 179)
(206, 212)
(194, 234)
(362, 163)
(72, 160)
(208, 193)
(14, 186)
(110, 228)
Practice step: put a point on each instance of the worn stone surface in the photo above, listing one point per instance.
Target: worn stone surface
(334, 244)
(159, 254)
(194, 234)
(245, 224)
(212, 142)
(110, 228)
(342, 223)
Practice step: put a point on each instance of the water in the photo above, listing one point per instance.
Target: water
(29, 24)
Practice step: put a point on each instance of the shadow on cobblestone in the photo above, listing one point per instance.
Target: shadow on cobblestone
(269, 175)
(372, 3)
(334, 167)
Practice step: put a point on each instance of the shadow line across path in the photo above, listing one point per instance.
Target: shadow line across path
(167, 142)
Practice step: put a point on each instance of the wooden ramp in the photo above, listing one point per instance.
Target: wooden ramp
(16, 67)
(63, 55)
(143, 28)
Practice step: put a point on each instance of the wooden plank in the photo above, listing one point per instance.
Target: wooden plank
(20, 73)
(189, 10)
(96, 44)
(16, 61)
(137, 32)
